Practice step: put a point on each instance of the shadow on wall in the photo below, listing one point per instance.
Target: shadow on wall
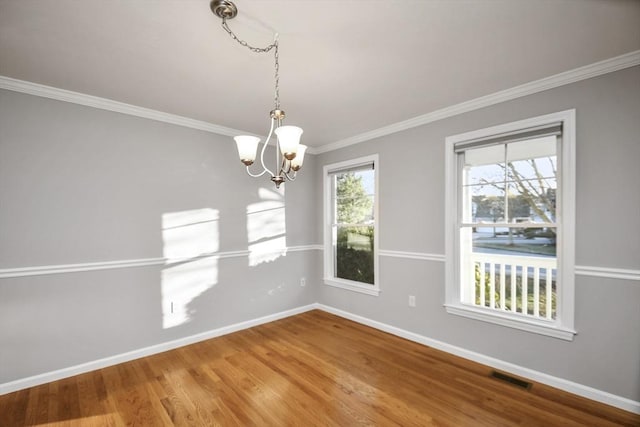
(191, 244)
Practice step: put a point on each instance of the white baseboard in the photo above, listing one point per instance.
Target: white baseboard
(143, 352)
(540, 377)
(562, 384)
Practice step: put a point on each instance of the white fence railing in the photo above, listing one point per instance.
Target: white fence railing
(499, 283)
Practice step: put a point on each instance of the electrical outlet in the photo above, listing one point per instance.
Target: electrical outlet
(303, 281)
(412, 301)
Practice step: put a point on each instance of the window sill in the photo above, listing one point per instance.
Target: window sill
(353, 286)
(511, 321)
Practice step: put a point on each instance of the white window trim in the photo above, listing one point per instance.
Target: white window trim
(563, 326)
(329, 276)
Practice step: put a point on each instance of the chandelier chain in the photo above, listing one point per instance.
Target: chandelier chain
(273, 46)
(289, 152)
(277, 77)
(244, 43)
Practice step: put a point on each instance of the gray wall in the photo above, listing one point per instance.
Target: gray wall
(82, 185)
(606, 352)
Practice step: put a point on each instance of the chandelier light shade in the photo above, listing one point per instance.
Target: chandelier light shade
(297, 161)
(247, 147)
(289, 151)
(289, 140)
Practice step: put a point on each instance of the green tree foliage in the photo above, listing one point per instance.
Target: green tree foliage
(355, 238)
(354, 205)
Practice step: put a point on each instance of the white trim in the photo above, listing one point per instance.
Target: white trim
(147, 351)
(413, 255)
(6, 273)
(610, 273)
(511, 320)
(617, 63)
(561, 116)
(582, 270)
(566, 217)
(610, 65)
(110, 105)
(329, 274)
(564, 323)
(352, 286)
(540, 377)
(550, 380)
(78, 98)
(305, 248)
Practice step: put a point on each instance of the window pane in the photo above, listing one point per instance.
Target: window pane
(484, 165)
(513, 270)
(516, 284)
(487, 204)
(354, 197)
(532, 200)
(540, 168)
(519, 208)
(354, 253)
(506, 267)
(539, 242)
(355, 210)
(484, 185)
(504, 259)
(531, 170)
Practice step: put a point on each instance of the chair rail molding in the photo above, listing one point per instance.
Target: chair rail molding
(580, 270)
(6, 273)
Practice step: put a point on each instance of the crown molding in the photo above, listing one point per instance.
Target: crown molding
(593, 70)
(50, 92)
(588, 71)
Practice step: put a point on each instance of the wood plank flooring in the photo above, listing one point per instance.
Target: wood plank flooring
(314, 369)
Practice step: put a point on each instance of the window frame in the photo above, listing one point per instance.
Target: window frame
(330, 278)
(563, 326)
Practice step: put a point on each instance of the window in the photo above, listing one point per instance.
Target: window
(350, 218)
(510, 224)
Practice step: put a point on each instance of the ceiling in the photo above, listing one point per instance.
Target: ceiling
(346, 66)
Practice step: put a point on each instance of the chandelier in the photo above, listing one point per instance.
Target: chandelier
(289, 151)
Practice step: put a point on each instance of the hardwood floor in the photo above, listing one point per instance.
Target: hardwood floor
(307, 370)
